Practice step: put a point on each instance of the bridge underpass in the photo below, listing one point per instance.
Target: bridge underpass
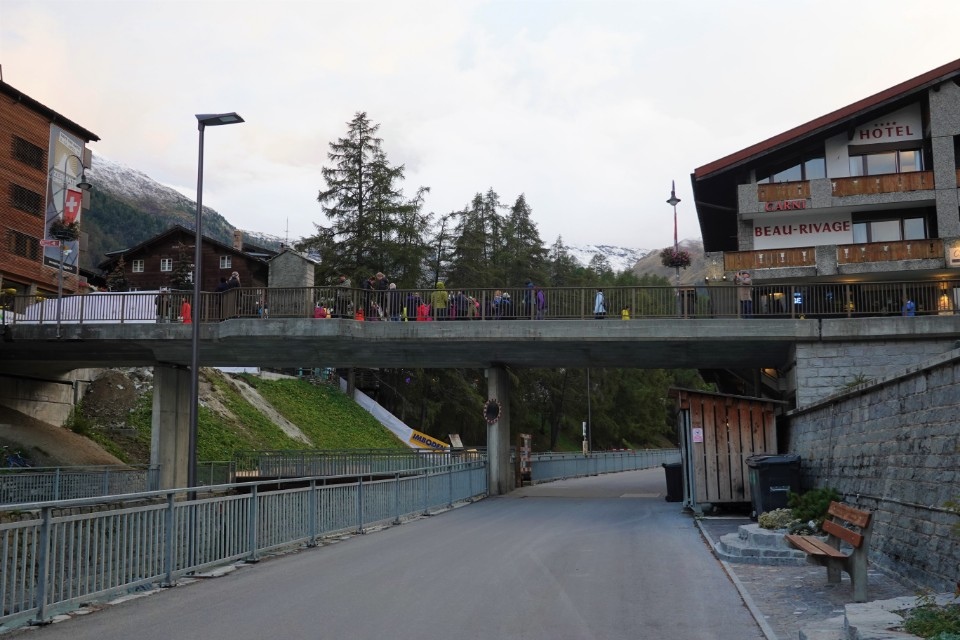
(719, 343)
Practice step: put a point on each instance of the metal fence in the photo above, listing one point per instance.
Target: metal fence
(556, 466)
(716, 299)
(40, 484)
(296, 463)
(58, 555)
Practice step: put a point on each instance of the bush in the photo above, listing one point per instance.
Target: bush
(776, 519)
(930, 620)
(812, 506)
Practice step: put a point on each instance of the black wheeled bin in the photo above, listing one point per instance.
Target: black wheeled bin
(674, 473)
(772, 478)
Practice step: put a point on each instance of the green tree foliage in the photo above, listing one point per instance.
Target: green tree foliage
(182, 275)
(117, 279)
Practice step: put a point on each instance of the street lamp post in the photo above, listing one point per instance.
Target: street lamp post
(204, 120)
(673, 202)
(83, 185)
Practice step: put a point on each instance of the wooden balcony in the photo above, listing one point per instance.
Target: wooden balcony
(887, 183)
(770, 258)
(783, 191)
(931, 248)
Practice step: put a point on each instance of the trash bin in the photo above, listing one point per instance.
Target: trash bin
(772, 478)
(674, 473)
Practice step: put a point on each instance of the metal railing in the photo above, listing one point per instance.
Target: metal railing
(41, 484)
(55, 555)
(370, 462)
(715, 299)
(556, 466)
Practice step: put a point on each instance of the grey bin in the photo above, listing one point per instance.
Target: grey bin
(674, 473)
(772, 478)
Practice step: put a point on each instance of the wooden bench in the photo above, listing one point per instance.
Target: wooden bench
(843, 524)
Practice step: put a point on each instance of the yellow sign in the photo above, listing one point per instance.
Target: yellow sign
(424, 441)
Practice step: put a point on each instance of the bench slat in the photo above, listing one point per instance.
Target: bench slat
(849, 514)
(814, 546)
(852, 537)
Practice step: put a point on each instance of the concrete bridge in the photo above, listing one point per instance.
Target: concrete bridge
(814, 357)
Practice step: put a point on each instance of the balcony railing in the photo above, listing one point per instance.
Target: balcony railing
(783, 191)
(930, 249)
(769, 258)
(887, 183)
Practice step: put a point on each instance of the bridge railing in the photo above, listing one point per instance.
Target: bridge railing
(55, 555)
(37, 484)
(721, 299)
(300, 463)
(556, 466)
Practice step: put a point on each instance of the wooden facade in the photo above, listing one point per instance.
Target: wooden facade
(176, 244)
(717, 434)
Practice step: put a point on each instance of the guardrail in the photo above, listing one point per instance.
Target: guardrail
(287, 463)
(717, 299)
(56, 555)
(557, 466)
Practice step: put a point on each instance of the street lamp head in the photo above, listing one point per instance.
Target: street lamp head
(83, 184)
(674, 200)
(215, 119)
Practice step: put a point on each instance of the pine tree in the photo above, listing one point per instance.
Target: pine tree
(524, 256)
(117, 278)
(182, 275)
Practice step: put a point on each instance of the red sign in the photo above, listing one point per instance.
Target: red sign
(71, 205)
(785, 205)
(49, 242)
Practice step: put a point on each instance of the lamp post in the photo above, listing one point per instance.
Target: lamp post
(204, 120)
(673, 202)
(76, 200)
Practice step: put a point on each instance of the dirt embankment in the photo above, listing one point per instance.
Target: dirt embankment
(46, 445)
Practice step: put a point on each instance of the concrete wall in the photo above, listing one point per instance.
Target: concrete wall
(822, 369)
(894, 448)
(50, 399)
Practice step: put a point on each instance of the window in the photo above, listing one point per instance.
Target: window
(26, 200)
(28, 153)
(166, 264)
(23, 245)
(811, 167)
(874, 164)
(226, 262)
(889, 230)
(137, 266)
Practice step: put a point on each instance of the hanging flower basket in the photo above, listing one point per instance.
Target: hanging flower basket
(65, 231)
(675, 258)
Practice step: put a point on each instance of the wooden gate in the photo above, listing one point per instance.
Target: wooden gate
(717, 434)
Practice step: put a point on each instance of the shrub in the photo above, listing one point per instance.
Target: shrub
(812, 506)
(933, 621)
(776, 519)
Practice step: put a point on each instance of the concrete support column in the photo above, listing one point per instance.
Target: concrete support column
(500, 474)
(170, 425)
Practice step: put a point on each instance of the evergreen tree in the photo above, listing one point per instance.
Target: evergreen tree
(117, 278)
(524, 256)
(562, 268)
(372, 226)
(182, 275)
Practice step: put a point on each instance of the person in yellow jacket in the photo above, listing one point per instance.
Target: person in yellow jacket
(440, 301)
(625, 313)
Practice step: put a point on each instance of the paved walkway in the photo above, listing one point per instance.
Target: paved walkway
(784, 599)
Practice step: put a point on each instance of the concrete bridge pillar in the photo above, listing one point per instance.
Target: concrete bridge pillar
(500, 474)
(170, 425)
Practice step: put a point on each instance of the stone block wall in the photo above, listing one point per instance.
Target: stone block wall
(823, 369)
(894, 448)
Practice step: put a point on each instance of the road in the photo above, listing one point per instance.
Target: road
(601, 558)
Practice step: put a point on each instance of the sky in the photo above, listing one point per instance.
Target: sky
(590, 109)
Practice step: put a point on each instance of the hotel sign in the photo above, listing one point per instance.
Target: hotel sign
(788, 231)
(785, 205)
(898, 126)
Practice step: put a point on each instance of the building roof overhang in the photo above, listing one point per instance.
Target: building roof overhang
(54, 117)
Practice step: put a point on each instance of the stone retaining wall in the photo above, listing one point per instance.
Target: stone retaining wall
(893, 447)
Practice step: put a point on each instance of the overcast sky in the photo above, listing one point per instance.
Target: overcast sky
(588, 108)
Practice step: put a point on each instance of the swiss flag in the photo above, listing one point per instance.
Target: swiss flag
(71, 205)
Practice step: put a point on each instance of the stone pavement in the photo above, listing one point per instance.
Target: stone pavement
(786, 599)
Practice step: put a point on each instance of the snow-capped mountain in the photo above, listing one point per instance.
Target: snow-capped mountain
(619, 258)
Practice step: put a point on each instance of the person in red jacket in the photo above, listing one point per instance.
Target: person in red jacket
(185, 311)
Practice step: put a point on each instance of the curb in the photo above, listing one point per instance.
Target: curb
(747, 599)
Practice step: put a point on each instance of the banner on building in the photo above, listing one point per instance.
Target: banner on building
(64, 168)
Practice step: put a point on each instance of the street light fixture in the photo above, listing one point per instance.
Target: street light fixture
(204, 120)
(673, 202)
(76, 200)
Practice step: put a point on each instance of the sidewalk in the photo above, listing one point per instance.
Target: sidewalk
(784, 599)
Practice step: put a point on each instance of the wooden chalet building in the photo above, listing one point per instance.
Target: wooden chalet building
(153, 264)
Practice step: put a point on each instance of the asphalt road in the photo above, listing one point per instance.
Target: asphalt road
(601, 558)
